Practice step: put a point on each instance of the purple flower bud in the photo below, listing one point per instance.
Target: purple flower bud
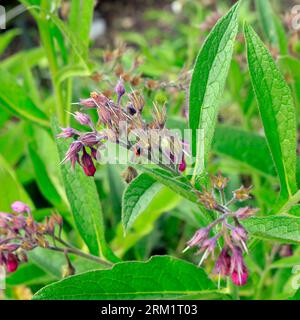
(286, 250)
(72, 153)
(88, 103)
(66, 133)
(18, 222)
(90, 139)
(239, 234)
(198, 237)
(9, 247)
(130, 109)
(87, 164)
(20, 207)
(95, 154)
(120, 89)
(11, 263)
(222, 265)
(238, 269)
(244, 213)
(82, 118)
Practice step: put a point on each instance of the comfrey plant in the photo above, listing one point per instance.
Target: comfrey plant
(124, 126)
(20, 233)
(230, 261)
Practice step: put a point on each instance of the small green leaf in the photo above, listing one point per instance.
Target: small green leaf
(161, 277)
(277, 110)
(137, 197)
(278, 228)
(208, 80)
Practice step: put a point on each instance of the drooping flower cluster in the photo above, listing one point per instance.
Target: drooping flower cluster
(230, 261)
(122, 123)
(19, 233)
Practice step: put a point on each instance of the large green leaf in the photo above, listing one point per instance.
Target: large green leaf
(276, 108)
(208, 81)
(137, 197)
(280, 228)
(159, 278)
(84, 201)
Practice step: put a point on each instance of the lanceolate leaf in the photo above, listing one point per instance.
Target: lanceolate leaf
(279, 228)
(84, 201)
(15, 99)
(267, 21)
(208, 80)
(137, 197)
(276, 108)
(159, 278)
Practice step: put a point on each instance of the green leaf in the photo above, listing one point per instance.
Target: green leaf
(276, 108)
(178, 184)
(44, 183)
(159, 278)
(137, 197)
(245, 147)
(278, 228)
(163, 201)
(16, 100)
(266, 15)
(208, 80)
(12, 142)
(6, 39)
(86, 208)
(10, 188)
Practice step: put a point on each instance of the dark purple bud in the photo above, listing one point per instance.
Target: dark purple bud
(130, 109)
(238, 269)
(222, 265)
(82, 118)
(286, 250)
(182, 165)
(240, 278)
(66, 133)
(120, 89)
(11, 263)
(94, 154)
(87, 164)
(20, 207)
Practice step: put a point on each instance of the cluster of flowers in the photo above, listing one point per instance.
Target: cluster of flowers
(140, 137)
(230, 261)
(19, 233)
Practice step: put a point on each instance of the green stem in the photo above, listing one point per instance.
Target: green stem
(82, 254)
